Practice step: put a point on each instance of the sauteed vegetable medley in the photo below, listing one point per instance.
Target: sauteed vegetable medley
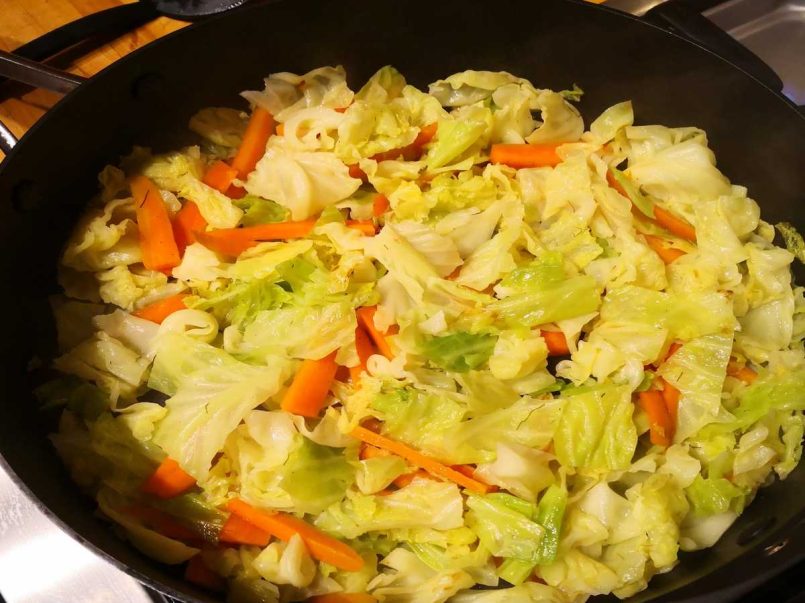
(389, 345)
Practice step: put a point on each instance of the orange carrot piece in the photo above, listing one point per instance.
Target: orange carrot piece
(653, 404)
(368, 451)
(280, 129)
(414, 457)
(186, 223)
(356, 172)
(406, 478)
(367, 227)
(197, 572)
(161, 309)
(672, 350)
(237, 530)
(158, 246)
(283, 526)
(525, 155)
(364, 346)
(556, 342)
(220, 176)
(741, 371)
(343, 598)
(671, 396)
(308, 391)
(426, 134)
(366, 317)
(380, 205)
(168, 480)
(615, 184)
(667, 254)
(674, 225)
(253, 146)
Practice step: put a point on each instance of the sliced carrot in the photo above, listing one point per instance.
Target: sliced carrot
(654, 406)
(615, 184)
(186, 223)
(234, 241)
(283, 526)
(365, 349)
(672, 350)
(168, 480)
(366, 317)
(253, 146)
(343, 598)
(414, 457)
(356, 172)
(157, 244)
(280, 129)
(368, 451)
(380, 205)
(674, 225)
(426, 134)
(556, 342)
(667, 254)
(405, 479)
(161, 309)
(237, 530)
(197, 572)
(310, 386)
(525, 155)
(220, 176)
(741, 371)
(671, 396)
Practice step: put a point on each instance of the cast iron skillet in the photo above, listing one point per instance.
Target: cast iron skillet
(147, 98)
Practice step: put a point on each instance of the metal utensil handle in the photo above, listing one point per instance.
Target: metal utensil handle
(34, 74)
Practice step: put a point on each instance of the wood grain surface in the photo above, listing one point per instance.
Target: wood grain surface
(24, 20)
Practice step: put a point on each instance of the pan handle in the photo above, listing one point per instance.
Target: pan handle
(34, 74)
(683, 18)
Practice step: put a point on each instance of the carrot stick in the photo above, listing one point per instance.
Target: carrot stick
(365, 349)
(198, 573)
(420, 460)
(283, 526)
(671, 395)
(156, 232)
(220, 176)
(168, 480)
(674, 225)
(556, 342)
(653, 404)
(667, 254)
(343, 598)
(308, 391)
(616, 185)
(356, 172)
(525, 155)
(253, 146)
(366, 317)
(426, 134)
(280, 129)
(161, 309)
(234, 241)
(237, 530)
(672, 350)
(186, 223)
(380, 205)
(741, 371)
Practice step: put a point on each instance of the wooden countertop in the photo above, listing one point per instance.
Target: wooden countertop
(25, 20)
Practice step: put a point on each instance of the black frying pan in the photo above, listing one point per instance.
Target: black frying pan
(147, 98)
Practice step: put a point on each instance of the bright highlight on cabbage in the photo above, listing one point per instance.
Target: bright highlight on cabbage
(420, 341)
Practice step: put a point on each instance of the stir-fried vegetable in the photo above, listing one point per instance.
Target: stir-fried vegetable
(393, 344)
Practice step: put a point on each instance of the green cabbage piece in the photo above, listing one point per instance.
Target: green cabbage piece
(199, 377)
(712, 496)
(260, 211)
(596, 430)
(504, 531)
(316, 476)
(423, 503)
(459, 352)
(793, 240)
(540, 304)
(220, 125)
